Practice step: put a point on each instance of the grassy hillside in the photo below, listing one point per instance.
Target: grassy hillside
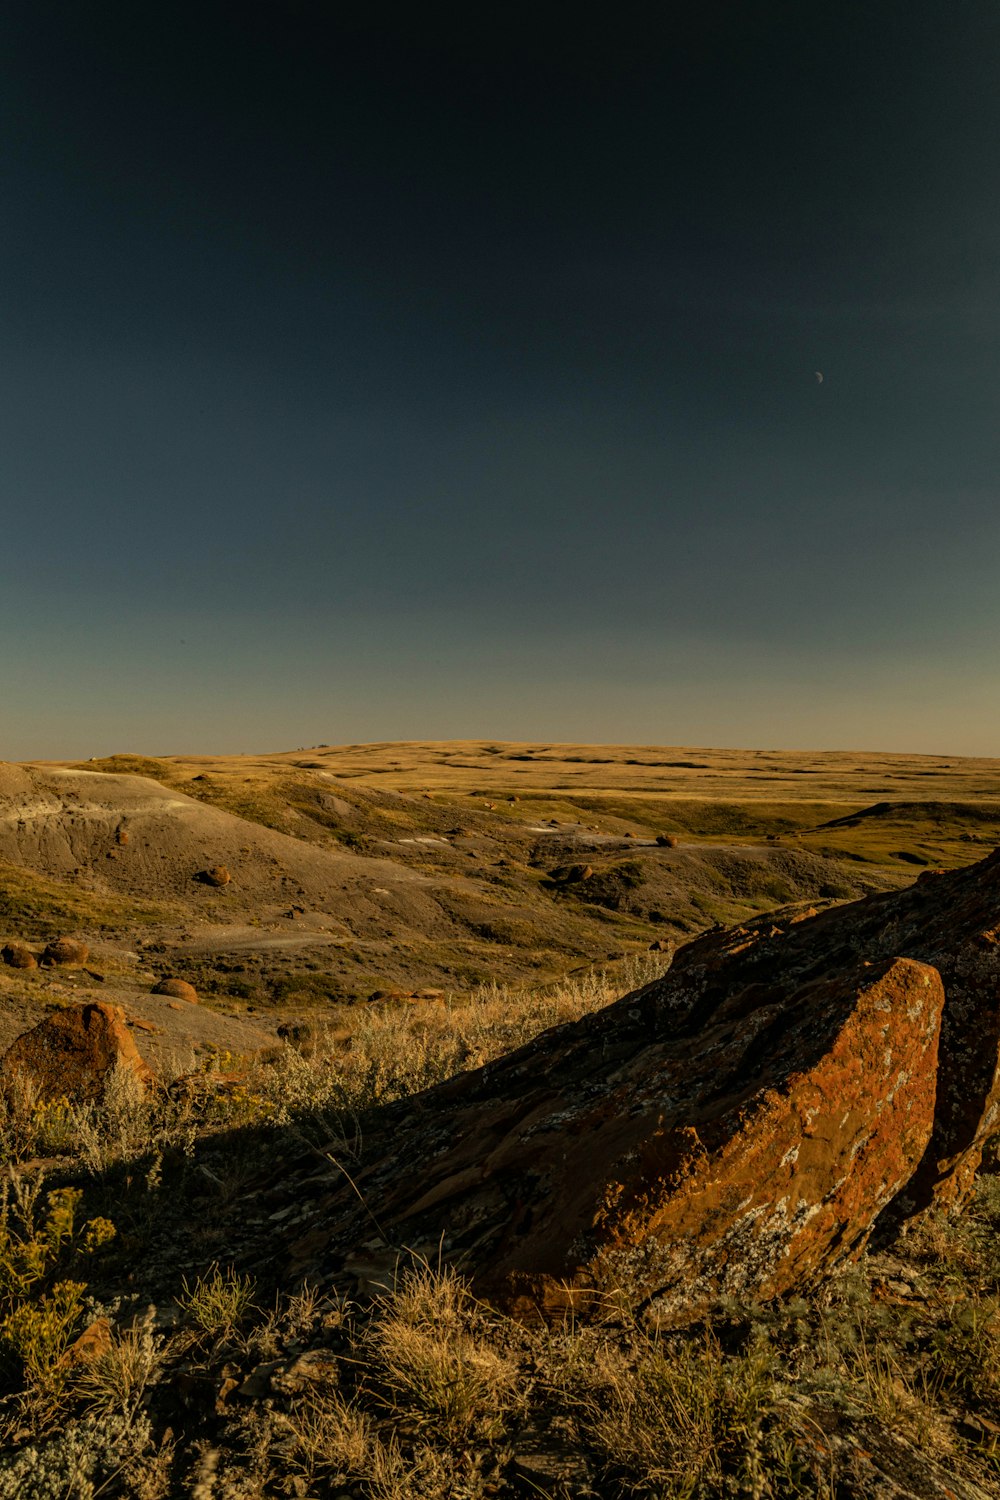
(218, 1366)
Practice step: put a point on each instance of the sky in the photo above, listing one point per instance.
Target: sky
(393, 372)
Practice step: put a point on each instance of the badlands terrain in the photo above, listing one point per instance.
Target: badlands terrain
(407, 868)
(332, 1167)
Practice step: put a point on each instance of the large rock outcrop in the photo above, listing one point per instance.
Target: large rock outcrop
(72, 1052)
(735, 1128)
(949, 920)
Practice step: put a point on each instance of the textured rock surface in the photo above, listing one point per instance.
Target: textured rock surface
(179, 989)
(66, 951)
(215, 875)
(73, 1051)
(738, 1159)
(736, 1127)
(17, 956)
(951, 921)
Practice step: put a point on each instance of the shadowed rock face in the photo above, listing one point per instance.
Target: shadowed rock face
(735, 1128)
(17, 956)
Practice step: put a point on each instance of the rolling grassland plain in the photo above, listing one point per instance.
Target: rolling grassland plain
(391, 916)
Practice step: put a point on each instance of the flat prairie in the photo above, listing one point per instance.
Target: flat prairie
(668, 771)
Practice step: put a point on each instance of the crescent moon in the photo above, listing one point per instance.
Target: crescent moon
(819, 375)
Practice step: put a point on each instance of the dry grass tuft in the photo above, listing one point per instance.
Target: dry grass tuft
(433, 1363)
(218, 1302)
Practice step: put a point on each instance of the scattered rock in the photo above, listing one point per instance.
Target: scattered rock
(666, 841)
(93, 1343)
(257, 1385)
(72, 1052)
(200, 1085)
(17, 956)
(66, 951)
(578, 872)
(660, 945)
(179, 989)
(216, 875)
(378, 996)
(314, 1368)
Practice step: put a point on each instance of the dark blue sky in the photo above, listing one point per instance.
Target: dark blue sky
(400, 372)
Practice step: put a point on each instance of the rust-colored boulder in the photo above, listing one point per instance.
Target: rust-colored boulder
(178, 989)
(72, 1052)
(93, 1344)
(666, 840)
(734, 1128)
(622, 1154)
(216, 875)
(66, 951)
(17, 956)
(951, 921)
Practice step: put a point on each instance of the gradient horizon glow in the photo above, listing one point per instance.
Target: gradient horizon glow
(435, 373)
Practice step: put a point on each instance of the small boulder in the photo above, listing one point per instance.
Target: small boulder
(65, 951)
(215, 875)
(177, 989)
(72, 1052)
(17, 956)
(666, 841)
(93, 1344)
(578, 872)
